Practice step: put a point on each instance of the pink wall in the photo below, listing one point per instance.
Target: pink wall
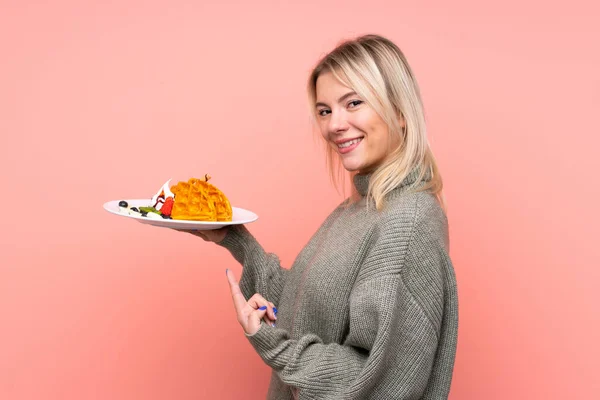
(104, 101)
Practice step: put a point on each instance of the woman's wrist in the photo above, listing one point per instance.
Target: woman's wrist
(256, 331)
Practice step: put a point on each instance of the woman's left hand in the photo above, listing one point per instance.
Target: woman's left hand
(215, 236)
(251, 312)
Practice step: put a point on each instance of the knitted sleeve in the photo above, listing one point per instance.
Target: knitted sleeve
(262, 272)
(394, 324)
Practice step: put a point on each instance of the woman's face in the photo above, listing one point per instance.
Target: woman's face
(350, 126)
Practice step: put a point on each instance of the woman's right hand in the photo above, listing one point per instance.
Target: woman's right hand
(250, 313)
(215, 236)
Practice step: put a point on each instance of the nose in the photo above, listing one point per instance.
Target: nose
(338, 123)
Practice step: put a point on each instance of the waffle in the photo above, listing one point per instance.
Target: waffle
(198, 200)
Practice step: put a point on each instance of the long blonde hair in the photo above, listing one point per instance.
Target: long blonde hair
(377, 70)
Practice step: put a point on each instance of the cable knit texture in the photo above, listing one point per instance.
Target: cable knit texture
(369, 308)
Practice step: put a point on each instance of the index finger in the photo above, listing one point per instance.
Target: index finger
(239, 301)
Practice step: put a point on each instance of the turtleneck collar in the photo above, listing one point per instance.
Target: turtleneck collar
(361, 181)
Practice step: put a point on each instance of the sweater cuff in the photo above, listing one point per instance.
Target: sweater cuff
(260, 326)
(240, 242)
(264, 340)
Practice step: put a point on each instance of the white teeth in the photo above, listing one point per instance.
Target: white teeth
(350, 143)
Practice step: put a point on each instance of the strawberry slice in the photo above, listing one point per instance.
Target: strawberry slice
(167, 206)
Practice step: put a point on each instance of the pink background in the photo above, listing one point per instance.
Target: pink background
(107, 100)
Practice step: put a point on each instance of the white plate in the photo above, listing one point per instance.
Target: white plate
(240, 216)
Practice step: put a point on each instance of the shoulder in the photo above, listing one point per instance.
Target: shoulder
(418, 224)
(412, 230)
(420, 228)
(409, 215)
(402, 223)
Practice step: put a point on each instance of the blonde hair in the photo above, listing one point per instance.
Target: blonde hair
(377, 70)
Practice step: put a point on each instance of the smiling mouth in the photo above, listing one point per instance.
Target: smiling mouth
(349, 143)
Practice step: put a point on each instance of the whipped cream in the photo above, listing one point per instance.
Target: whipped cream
(160, 196)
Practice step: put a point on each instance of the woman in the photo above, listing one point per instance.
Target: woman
(369, 308)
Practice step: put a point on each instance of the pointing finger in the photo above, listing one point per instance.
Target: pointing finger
(239, 301)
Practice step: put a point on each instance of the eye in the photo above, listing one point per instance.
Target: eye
(354, 103)
(322, 112)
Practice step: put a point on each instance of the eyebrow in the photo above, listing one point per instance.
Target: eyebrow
(344, 97)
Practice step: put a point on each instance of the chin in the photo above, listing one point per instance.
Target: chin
(351, 167)
(354, 162)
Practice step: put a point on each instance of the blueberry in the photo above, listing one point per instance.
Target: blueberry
(123, 203)
(135, 209)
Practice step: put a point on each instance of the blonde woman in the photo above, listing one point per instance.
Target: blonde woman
(369, 308)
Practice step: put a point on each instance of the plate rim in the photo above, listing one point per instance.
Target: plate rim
(107, 205)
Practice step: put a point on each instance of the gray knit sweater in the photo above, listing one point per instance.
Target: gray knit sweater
(369, 308)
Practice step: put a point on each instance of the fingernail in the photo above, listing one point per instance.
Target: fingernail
(273, 325)
(263, 308)
(226, 271)
(275, 310)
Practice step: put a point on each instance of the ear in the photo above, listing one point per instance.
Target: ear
(401, 120)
